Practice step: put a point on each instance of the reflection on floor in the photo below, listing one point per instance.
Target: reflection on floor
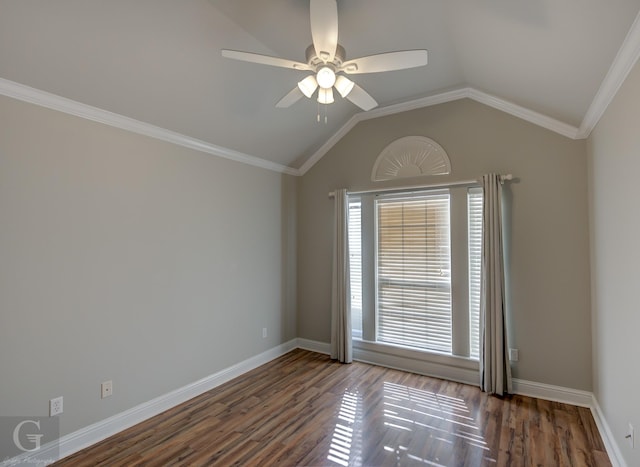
(343, 446)
(409, 414)
(302, 409)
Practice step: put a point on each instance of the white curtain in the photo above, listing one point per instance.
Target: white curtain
(341, 349)
(495, 371)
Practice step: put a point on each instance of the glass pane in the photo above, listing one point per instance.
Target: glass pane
(414, 272)
(474, 216)
(355, 266)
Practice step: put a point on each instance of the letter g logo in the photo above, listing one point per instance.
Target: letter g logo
(34, 438)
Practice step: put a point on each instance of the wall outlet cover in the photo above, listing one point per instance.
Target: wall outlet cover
(106, 389)
(55, 406)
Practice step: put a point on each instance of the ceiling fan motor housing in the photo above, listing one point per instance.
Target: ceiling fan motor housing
(316, 62)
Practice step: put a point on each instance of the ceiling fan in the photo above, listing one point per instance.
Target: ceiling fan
(326, 59)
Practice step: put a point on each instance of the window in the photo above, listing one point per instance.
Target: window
(415, 269)
(355, 266)
(474, 216)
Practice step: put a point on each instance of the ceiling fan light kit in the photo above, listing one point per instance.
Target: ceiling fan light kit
(344, 85)
(325, 96)
(326, 77)
(308, 85)
(326, 59)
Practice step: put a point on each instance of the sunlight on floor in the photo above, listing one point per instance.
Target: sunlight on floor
(415, 427)
(439, 419)
(341, 451)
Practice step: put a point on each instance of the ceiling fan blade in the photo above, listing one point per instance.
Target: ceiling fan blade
(264, 60)
(291, 98)
(361, 98)
(324, 28)
(386, 62)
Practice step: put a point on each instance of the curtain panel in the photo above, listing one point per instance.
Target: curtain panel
(341, 347)
(495, 370)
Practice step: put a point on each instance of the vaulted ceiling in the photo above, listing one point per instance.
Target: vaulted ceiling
(159, 61)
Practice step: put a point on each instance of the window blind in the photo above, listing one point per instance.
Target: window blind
(474, 216)
(355, 265)
(414, 271)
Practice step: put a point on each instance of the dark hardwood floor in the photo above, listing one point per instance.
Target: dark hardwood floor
(303, 409)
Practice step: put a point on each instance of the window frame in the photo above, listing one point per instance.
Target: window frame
(415, 195)
(459, 362)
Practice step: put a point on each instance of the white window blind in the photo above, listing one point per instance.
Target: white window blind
(474, 216)
(355, 265)
(414, 271)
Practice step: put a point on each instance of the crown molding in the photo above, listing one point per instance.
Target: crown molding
(624, 61)
(528, 115)
(463, 93)
(375, 113)
(78, 109)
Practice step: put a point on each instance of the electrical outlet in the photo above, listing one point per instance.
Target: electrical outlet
(55, 406)
(513, 355)
(264, 333)
(630, 436)
(107, 389)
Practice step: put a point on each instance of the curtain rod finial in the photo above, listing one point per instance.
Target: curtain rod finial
(504, 178)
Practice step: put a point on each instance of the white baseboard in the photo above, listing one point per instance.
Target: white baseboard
(552, 393)
(452, 373)
(363, 352)
(613, 450)
(101, 430)
(581, 399)
(314, 346)
(434, 370)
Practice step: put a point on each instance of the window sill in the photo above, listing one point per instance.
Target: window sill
(451, 367)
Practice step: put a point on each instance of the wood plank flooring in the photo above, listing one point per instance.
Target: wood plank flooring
(305, 410)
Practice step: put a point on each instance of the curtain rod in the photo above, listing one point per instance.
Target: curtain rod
(423, 187)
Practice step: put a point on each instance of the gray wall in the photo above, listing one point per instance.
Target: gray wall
(130, 259)
(549, 302)
(614, 161)
(134, 260)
